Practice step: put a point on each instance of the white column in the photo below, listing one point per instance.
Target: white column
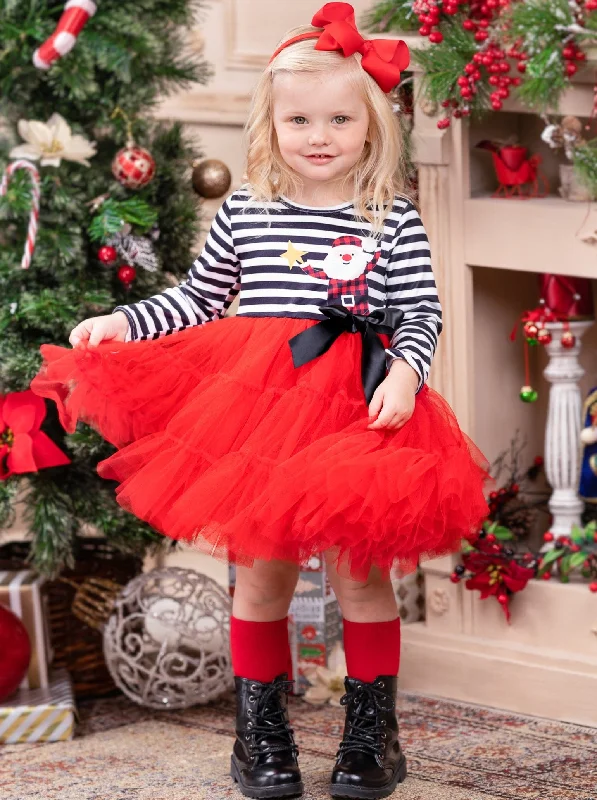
(562, 432)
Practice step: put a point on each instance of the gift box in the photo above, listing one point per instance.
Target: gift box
(23, 593)
(40, 715)
(318, 619)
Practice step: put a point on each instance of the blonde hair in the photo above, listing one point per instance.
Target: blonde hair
(380, 172)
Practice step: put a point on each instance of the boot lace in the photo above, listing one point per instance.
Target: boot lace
(367, 731)
(269, 723)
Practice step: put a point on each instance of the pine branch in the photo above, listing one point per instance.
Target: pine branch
(391, 15)
(585, 164)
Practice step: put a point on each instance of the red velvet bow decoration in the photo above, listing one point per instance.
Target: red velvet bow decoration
(23, 446)
(383, 59)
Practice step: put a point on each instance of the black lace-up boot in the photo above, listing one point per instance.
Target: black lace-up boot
(370, 763)
(264, 758)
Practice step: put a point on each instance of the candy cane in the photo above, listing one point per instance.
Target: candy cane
(34, 216)
(71, 23)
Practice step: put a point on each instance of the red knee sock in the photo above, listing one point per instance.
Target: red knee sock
(260, 650)
(372, 649)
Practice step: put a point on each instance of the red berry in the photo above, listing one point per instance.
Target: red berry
(521, 66)
(546, 576)
(503, 93)
(443, 123)
(575, 548)
(454, 578)
(466, 93)
(548, 536)
(515, 488)
(470, 68)
(494, 80)
(568, 53)
(424, 30)
(436, 37)
(107, 254)
(465, 113)
(493, 68)
(504, 66)
(516, 81)
(462, 81)
(538, 461)
(476, 76)
(503, 599)
(490, 538)
(127, 274)
(478, 58)
(593, 586)
(497, 105)
(480, 36)
(571, 68)
(457, 113)
(483, 23)
(469, 25)
(580, 56)
(450, 8)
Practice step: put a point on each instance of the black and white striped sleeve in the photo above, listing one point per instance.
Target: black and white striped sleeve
(211, 285)
(410, 286)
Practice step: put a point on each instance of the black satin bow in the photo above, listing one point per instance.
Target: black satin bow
(317, 340)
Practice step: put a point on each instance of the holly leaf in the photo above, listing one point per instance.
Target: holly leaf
(578, 559)
(503, 533)
(550, 557)
(577, 535)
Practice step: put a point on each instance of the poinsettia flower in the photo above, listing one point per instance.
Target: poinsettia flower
(500, 580)
(52, 141)
(327, 683)
(23, 446)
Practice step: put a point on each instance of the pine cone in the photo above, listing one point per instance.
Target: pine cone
(518, 518)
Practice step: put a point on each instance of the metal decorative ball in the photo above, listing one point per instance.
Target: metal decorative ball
(133, 166)
(544, 336)
(166, 642)
(568, 339)
(211, 178)
(528, 394)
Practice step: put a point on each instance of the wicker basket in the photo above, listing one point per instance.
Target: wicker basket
(78, 647)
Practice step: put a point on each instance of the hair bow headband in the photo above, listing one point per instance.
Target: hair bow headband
(383, 59)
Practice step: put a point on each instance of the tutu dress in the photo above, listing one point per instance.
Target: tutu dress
(248, 438)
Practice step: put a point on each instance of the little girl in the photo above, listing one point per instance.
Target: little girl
(302, 425)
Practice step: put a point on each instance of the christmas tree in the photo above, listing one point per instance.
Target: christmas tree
(97, 209)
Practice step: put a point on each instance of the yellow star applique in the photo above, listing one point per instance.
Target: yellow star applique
(293, 254)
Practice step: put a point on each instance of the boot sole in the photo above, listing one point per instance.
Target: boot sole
(286, 790)
(337, 790)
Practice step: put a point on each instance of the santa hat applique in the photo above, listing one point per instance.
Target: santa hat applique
(366, 244)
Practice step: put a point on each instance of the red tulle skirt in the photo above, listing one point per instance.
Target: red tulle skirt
(225, 445)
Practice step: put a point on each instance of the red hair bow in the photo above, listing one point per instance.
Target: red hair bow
(383, 59)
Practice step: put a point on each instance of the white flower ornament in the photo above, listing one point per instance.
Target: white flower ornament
(51, 142)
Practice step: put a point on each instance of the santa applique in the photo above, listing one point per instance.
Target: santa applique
(346, 267)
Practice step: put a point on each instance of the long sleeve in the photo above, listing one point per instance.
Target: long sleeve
(211, 285)
(410, 285)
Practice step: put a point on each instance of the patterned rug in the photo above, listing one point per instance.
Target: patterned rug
(454, 751)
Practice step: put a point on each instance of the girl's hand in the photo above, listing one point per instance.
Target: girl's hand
(109, 328)
(393, 403)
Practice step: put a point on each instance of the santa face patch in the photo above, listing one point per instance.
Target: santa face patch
(345, 267)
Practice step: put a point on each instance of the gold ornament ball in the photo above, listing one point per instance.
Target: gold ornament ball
(211, 178)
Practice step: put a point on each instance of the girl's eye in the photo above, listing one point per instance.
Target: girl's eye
(299, 120)
(340, 120)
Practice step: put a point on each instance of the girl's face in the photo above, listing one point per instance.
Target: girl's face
(321, 124)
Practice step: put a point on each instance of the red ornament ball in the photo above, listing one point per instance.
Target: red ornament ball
(15, 652)
(543, 336)
(530, 330)
(568, 340)
(107, 254)
(127, 274)
(133, 166)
